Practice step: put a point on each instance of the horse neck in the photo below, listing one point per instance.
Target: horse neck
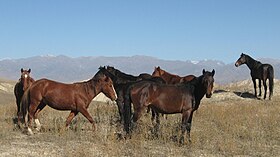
(200, 90)
(251, 63)
(27, 82)
(91, 88)
(168, 77)
(124, 76)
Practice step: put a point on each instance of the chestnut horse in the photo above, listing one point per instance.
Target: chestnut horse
(23, 83)
(75, 97)
(259, 71)
(171, 78)
(182, 98)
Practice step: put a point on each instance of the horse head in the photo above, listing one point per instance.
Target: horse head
(241, 60)
(208, 82)
(25, 78)
(107, 87)
(105, 83)
(158, 72)
(112, 70)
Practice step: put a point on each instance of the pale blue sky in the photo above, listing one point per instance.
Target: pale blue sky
(165, 29)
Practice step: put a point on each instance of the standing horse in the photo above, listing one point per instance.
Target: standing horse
(168, 99)
(23, 83)
(122, 81)
(259, 71)
(171, 78)
(75, 97)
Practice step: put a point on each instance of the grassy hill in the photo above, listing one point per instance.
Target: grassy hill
(231, 123)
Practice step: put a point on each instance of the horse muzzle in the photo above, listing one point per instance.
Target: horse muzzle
(237, 64)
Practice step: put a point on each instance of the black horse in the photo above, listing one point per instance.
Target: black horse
(259, 71)
(122, 80)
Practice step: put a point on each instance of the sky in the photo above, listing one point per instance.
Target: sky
(165, 29)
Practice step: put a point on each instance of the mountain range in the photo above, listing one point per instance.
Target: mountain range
(66, 69)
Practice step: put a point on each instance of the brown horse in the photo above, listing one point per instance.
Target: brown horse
(75, 97)
(171, 78)
(259, 71)
(168, 99)
(23, 83)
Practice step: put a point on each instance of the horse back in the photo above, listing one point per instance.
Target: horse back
(53, 91)
(163, 98)
(263, 72)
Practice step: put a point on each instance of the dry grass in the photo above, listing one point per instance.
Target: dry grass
(225, 125)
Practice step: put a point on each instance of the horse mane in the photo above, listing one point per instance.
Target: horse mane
(252, 63)
(168, 72)
(123, 75)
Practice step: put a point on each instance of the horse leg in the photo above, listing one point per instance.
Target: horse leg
(186, 125)
(84, 111)
(70, 117)
(270, 87)
(137, 114)
(120, 104)
(32, 110)
(18, 112)
(120, 108)
(37, 122)
(153, 114)
(265, 88)
(260, 87)
(255, 86)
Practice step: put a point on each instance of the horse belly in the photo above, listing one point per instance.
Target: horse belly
(168, 103)
(60, 100)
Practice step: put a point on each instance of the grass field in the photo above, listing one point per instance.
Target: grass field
(228, 124)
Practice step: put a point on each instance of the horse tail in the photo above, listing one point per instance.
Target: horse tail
(271, 80)
(127, 109)
(25, 102)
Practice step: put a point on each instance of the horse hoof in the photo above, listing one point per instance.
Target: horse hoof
(29, 131)
(38, 129)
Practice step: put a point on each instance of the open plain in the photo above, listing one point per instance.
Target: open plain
(231, 123)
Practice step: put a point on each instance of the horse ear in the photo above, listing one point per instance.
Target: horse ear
(213, 72)
(203, 71)
(21, 70)
(29, 70)
(106, 78)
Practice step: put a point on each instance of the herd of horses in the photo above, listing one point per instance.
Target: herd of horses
(161, 92)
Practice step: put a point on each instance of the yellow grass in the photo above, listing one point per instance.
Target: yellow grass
(228, 126)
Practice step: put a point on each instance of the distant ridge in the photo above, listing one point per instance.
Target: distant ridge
(66, 69)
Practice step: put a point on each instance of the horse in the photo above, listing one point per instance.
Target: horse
(122, 80)
(181, 98)
(171, 78)
(259, 71)
(23, 83)
(75, 97)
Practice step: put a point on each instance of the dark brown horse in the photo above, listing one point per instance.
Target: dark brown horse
(171, 78)
(122, 80)
(75, 97)
(259, 71)
(23, 83)
(168, 99)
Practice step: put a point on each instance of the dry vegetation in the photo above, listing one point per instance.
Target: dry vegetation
(225, 125)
